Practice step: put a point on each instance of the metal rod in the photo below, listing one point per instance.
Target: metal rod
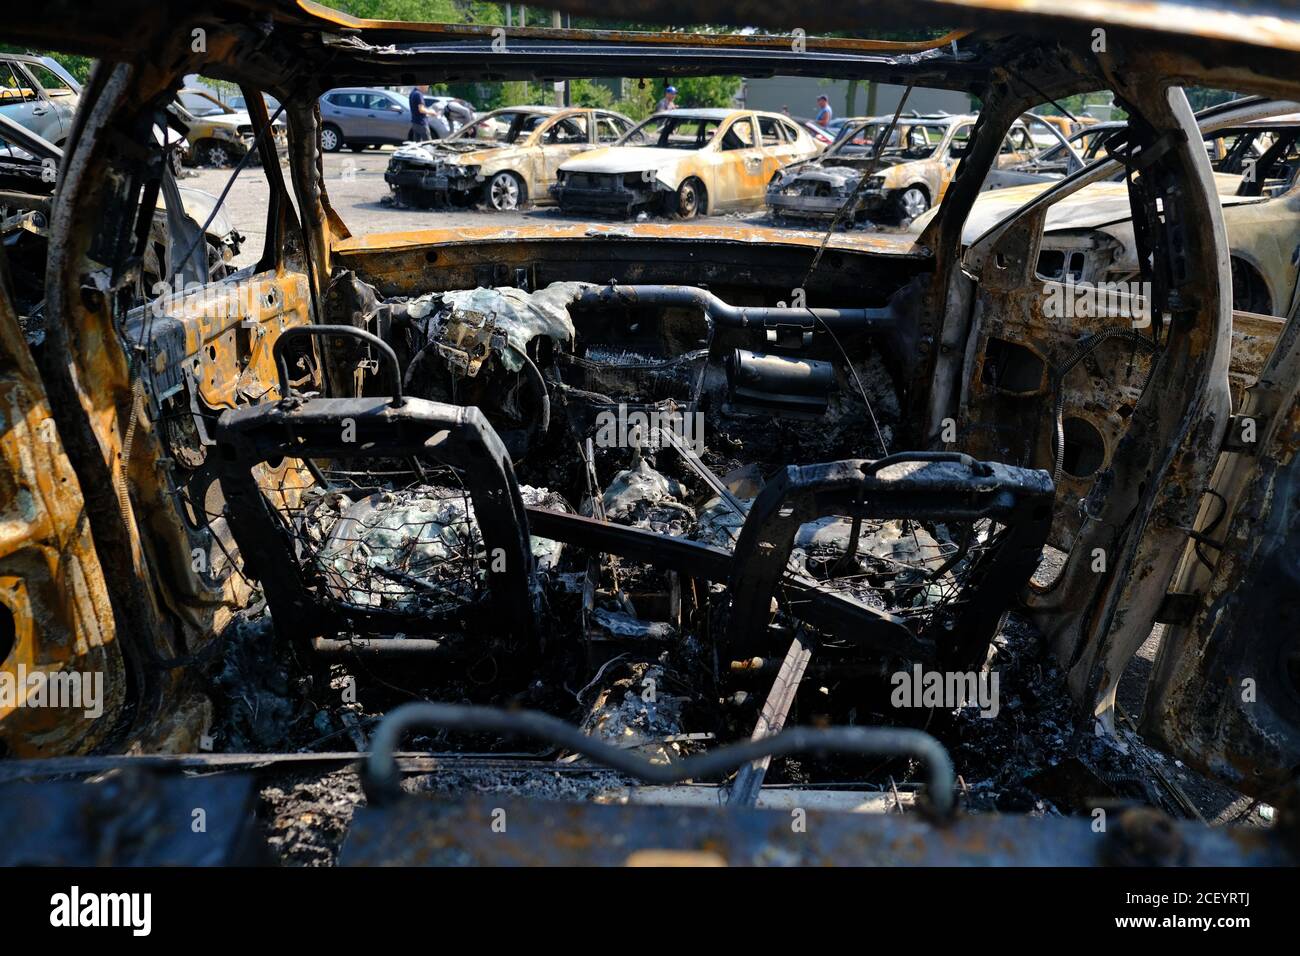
(382, 778)
(734, 316)
(744, 793)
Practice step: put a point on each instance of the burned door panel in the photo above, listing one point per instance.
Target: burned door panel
(58, 645)
(211, 349)
(1225, 692)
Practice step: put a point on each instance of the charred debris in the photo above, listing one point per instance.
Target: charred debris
(587, 501)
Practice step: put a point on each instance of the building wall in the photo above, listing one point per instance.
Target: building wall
(800, 94)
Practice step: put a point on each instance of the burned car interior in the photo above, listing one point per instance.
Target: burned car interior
(649, 518)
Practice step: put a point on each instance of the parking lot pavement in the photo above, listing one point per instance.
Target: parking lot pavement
(357, 189)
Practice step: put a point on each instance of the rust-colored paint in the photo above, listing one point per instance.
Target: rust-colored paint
(54, 608)
(428, 31)
(880, 243)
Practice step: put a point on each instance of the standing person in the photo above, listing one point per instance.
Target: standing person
(420, 115)
(823, 111)
(458, 114)
(669, 102)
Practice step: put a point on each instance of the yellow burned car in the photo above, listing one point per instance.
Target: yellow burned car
(917, 164)
(503, 160)
(685, 163)
(218, 135)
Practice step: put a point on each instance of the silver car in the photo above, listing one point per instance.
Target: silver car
(38, 94)
(358, 117)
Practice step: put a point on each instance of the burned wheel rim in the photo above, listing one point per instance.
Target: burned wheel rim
(503, 191)
(688, 200)
(218, 155)
(329, 139)
(913, 202)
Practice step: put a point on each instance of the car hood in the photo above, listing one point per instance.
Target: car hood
(835, 175)
(1093, 206)
(238, 118)
(463, 154)
(626, 159)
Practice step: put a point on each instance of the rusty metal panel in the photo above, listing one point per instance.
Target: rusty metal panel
(54, 610)
(512, 832)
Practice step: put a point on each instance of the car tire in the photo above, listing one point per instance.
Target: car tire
(689, 201)
(910, 202)
(504, 192)
(331, 138)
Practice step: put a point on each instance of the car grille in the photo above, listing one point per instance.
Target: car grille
(594, 180)
(807, 189)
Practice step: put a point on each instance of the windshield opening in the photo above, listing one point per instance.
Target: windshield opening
(673, 132)
(501, 128)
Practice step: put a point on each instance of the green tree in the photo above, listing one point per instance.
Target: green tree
(78, 66)
(701, 92)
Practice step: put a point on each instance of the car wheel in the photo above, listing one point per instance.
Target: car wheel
(219, 155)
(689, 200)
(910, 203)
(331, 140)
(505, 191)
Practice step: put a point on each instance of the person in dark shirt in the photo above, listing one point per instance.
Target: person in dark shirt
(420, 115)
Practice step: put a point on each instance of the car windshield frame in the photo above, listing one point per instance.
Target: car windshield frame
(219, 108)
(671, 118)
(514, 133)
(848, 133)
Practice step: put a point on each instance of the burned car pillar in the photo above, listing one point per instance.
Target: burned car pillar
(138, 372)
(1225, 691)
(1104, 602)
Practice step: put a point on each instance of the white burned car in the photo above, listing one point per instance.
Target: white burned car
(685, 163)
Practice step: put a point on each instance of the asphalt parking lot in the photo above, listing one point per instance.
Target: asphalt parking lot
(357, 189)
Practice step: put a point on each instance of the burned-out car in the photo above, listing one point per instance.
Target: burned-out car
(905, 176)
(730, 523)
(503, 160)
(1259, 196)
(685, 163)
(218, 135)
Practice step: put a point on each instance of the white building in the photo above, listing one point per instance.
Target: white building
(799, 94)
